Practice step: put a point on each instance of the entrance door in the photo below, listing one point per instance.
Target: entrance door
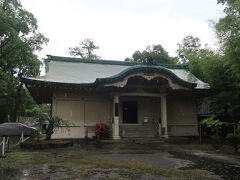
(130, 112)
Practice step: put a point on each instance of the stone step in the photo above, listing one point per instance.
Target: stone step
(138, 131)
(137, 126)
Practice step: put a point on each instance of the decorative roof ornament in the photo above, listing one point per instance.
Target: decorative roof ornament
(150, 61)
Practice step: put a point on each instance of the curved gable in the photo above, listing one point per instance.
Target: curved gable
(147, 72)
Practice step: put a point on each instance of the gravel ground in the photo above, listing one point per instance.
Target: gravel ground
(125, 159)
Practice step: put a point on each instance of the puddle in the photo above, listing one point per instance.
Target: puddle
(229, 159)
(221, 169)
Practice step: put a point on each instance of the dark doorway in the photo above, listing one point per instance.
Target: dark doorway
(130, 112)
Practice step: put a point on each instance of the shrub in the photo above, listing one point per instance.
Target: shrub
(55, 122)
(212, 123)
(234, 141)
(216, 142)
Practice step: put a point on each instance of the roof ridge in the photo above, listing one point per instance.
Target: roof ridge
(93, 61)
(110, 62)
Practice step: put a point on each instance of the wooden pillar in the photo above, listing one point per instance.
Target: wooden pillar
(164, 115)
(115, 125)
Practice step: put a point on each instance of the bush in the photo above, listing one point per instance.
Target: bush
(212, 123)
(216, 142)
(234, 141)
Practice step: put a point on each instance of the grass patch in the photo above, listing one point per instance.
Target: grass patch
(134, 167)
(141, 168)
(10, 165)
(15, 159)
(229, 150)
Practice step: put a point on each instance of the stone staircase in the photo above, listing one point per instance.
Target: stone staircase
(137, 131)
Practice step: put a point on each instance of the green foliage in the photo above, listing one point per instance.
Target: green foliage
(19, 40)
(156, 52)
(28, 102)
(234, 141)
(85, 49)
(210, 122)
(207, 66)
(42, 114)
(189, 47)
(213, 124)
(225, 101)
(210, 66)
(36, 135)
(216, 142)
(204, 63)
(228, 32)
(40, 111)
(55, 122)
(34, 112)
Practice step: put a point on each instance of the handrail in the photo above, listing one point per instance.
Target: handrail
(156, 126)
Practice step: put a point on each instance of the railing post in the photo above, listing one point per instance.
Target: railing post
(159, 129)
(3, 147)
(22, 137)
(164, 114)
(200, 134)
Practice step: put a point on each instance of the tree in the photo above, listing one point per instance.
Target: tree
(206, 64)
(203, 62)
(85, 49)
(209, 66)
(156, 52)
(228, 32)
(19, 40)
(189, 47)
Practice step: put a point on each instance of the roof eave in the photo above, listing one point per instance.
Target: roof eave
(117, 77)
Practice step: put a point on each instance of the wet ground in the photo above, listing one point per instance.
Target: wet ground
(147, 159)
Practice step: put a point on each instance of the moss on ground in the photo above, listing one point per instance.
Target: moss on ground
(16, 159)
(133, 168)
(10, 166)
(73, 162)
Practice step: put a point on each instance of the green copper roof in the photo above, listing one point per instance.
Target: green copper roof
(109, 62)
(83, 72)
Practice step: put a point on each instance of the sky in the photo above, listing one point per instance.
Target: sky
(120, 27)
